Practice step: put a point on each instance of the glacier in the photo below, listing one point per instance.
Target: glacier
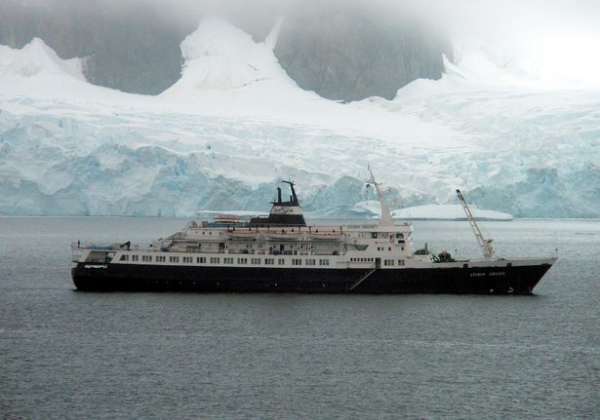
(235, 123)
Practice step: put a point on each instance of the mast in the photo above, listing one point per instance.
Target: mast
(294, 198)
(485, 244)
(386, 216)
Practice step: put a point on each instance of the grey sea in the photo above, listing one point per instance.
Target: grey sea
(74, 355)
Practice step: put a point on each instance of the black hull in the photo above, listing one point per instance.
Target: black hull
(121, 277)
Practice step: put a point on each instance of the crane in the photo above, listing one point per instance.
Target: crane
(486, 244)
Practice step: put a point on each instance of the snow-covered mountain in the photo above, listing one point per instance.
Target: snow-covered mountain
(235, 123)
(342, 50)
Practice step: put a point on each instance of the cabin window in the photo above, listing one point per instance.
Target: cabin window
(228, 260)
(201, 260)
(124, 257)
(215, 260)
(146, 258)
(161, 258)
(135, 257)
(269, 261)
(187, 260)
(174, 259)
(400, 262)
(281, 261)
(296, 261)
(374, 235)
(323, 262)
(242, 260)
(255, 261)
(310, 262)
(388, 262)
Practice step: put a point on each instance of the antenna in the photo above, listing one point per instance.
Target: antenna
(485, 244)
(386, 216)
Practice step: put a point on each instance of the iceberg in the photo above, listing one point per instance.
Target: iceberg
(371, 208)
(447, 212)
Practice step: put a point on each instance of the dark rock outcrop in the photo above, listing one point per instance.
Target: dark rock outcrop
(351, 53)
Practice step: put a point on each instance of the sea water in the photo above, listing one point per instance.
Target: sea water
(75, 355)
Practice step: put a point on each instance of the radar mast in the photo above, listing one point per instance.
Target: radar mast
(386, 217)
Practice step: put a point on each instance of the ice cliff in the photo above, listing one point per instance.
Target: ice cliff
(236, 122)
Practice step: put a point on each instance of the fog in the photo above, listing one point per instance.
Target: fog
(553, 41)
(456, 16)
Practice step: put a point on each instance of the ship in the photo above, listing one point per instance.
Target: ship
(281, 253)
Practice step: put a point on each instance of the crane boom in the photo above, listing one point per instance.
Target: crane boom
(486, 244)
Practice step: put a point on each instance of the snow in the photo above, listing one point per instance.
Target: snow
(219, 56)
(36, 59)
(235, 123)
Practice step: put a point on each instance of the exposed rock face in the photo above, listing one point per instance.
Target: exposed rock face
(138, 52)
(351, 54)
(340, 52)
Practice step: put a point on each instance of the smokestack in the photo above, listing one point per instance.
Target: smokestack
(279, 195)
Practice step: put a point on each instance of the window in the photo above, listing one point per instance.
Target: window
(215, 260)
(310, 261)
(296, 261)
(400, 262)
(323, 262)
(374, 235)
(201, 260)
(174, 259)
(124, 257)
(269, 261)
(388, 262)
(242, 260)
(228, 260)
(255, 261)
(187, 260)
(135, 257)
(161, 258)
(146, 258)
(281, 261)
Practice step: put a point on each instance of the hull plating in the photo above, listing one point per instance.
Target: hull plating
(492, 280)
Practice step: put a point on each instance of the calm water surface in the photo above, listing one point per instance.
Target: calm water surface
(73, 355)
